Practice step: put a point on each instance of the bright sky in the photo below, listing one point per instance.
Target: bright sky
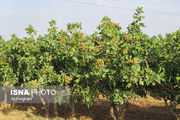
(161, 16)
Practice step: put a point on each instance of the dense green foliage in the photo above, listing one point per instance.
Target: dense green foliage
(114, 63)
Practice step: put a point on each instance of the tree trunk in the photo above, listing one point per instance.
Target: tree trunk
(114, 111)
(73, 109)
(55, 113)
(47, 110)
(117, 111)
(12, 105)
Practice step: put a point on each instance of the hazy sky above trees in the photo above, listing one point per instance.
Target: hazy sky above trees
(161, 16)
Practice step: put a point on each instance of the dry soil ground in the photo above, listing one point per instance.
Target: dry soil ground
(139, 109)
